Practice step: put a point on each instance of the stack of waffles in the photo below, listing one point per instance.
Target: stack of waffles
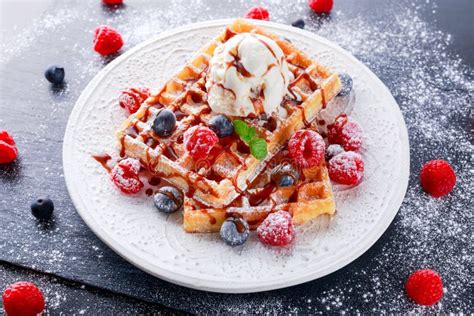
(230, 181)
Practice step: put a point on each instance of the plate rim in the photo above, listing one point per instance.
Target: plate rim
(195, 283)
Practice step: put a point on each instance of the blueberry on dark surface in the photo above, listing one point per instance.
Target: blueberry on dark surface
(298, 23)
(346, 82)
(164, 123)
(285, 175)
(221, 125)
(168, 199)
(55, 74)
(332, 150)
(235, 231)
(42, 208)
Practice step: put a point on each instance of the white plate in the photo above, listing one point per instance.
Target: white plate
(157, 244)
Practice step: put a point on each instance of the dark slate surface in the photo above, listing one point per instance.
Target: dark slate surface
(73, 298)
(36, 114)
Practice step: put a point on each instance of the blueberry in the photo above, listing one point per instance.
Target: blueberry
(42, 208)
(55, 74)
(235, 231)
(168, 199)
(285, 175)
(221, 125)
(298, 23)
(346, 82)
(333, 150)
(286, 181)
(164, 123)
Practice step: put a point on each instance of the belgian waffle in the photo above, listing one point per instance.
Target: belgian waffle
(310, 196)
(225, 175)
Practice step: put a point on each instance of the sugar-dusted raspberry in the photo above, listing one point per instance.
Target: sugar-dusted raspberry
(277, 229)
(199, 140)
(437, 177)
(132, 98)
(346, 168)
(23, 298)
(258, 13)
(112, 2)
(321, 6)
(107, 40)
(333, 150)
(307, 148)
(125, 176)
(345, 132)
(8, 150)
(425, 287)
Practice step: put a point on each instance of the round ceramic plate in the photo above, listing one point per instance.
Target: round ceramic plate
(157, 243)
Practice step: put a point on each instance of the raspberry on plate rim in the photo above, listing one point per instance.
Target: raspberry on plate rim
(125, 176)
(277, 229)
(132, 98)
(346, 168)
(345, 132)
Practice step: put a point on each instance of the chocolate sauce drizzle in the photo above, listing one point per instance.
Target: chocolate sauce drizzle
(194, 95)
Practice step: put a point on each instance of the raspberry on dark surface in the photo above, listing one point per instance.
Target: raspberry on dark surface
(107, 40)
(132, 98)
(437, 177)
(277, 229)
(23, 299)
(424, 287)
(125, 176)
(345, 132)
(346, 168)
(199, 140)
(307, 148)
(112, 2)
(258, 13)
(321, 6)
(8, 150)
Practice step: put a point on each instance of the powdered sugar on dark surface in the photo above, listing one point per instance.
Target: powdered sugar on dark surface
(432, 86)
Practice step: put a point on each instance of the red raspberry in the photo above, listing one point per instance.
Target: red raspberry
(277, 229)
(125, 176)
(112, 2)
(199, 140)
(132, 98)
(321, 6)
(307, 148)
(346, 168)
(107, 40)
(437, 177)
(23, 299)
(257, 13)
(425, 287)
(345, 132)
(8, 150)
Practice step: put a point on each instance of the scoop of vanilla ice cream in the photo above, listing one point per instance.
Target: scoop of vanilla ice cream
(248, 75)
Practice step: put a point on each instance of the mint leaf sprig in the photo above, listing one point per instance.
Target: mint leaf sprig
(257, 145)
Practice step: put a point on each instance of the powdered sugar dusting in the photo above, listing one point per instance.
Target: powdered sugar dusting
(434, 90)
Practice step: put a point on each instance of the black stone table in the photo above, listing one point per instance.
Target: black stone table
(422, 50)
